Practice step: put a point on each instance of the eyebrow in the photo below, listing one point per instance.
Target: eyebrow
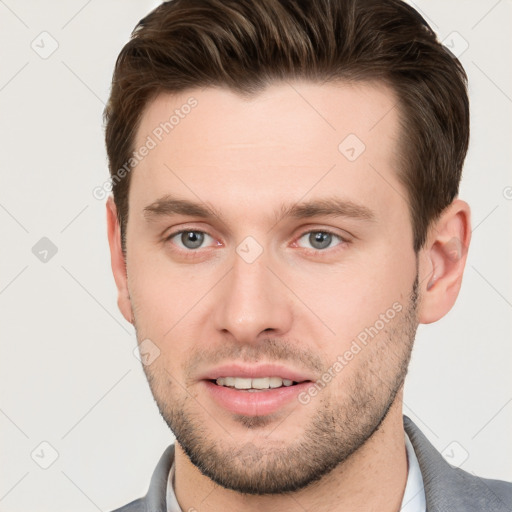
(169, 205)
(334, 207)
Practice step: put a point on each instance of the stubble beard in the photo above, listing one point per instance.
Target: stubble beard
(336, 430)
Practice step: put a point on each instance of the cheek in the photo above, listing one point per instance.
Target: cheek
(162, 312)
(159, 295)
(352, 298)
(170, 302)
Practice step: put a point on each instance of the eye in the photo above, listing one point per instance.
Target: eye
(319, 240)
(189, 239)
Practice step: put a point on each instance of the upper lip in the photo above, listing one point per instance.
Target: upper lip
(255, 371)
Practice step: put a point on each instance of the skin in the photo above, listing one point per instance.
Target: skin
(295, 304)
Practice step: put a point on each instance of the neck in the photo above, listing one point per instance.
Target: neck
(372, 478)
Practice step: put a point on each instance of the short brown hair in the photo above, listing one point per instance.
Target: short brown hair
(246, 45)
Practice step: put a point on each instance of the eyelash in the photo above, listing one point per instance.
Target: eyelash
(342, 241)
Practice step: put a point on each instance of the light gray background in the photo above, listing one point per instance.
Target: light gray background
(68, 373)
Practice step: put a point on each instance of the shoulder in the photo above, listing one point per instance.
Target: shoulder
(135, 506)
(474, 493)
(501, 489)
(451, 488)
(486, 491)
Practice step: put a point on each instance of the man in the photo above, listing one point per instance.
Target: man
(284, 215)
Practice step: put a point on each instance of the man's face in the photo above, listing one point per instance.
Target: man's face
(307, 258)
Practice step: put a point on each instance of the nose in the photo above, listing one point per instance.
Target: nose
(253, 302)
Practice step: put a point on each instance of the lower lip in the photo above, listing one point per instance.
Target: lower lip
(254, 403)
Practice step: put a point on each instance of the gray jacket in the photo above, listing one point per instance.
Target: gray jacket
(447, 489)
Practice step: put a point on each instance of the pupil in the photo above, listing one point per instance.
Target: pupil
(192, 239)
(320, 240)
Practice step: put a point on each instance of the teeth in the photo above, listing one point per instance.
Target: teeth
(253, 384)
(242, 383)
(261, 383)
(275, 382)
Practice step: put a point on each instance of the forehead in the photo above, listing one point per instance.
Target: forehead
(292, 139)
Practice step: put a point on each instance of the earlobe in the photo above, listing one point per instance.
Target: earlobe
(443, 260)
(117, 260)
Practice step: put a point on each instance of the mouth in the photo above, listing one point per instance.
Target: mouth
(253, 401)
(254, 390)
(251, 385)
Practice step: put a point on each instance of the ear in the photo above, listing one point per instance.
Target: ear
(442, 261)
(117, 261)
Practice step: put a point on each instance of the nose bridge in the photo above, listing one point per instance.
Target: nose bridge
(252, 299)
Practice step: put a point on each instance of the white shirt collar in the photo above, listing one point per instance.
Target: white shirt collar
(170, 497)
(414, 494)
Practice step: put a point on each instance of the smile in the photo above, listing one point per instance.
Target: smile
(256, 384)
